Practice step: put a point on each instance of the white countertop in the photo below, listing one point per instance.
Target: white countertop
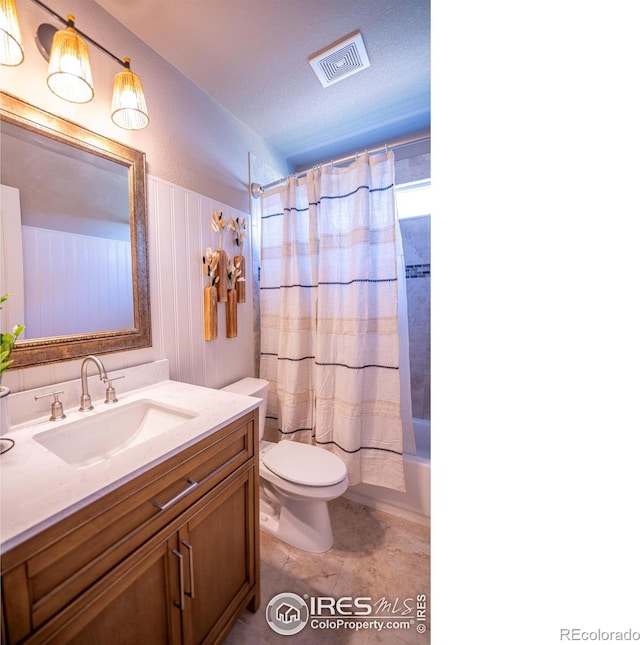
(38, 488)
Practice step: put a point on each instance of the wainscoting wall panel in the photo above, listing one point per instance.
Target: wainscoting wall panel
(52, 282)
(179, 222)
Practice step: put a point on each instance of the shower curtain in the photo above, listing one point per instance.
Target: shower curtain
(328, 310)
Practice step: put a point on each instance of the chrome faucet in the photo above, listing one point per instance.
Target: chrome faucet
(85, 398)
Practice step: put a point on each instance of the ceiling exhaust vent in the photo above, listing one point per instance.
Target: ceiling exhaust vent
(339, 61)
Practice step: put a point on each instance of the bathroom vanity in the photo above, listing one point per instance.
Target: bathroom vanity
(156, 544)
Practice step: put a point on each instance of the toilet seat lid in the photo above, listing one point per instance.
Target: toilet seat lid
(302, 463)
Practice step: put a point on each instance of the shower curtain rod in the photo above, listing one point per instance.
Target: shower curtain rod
(257, 189)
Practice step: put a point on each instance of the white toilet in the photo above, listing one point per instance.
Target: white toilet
(296, 482)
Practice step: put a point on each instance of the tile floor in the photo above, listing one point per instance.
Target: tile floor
(375, 555)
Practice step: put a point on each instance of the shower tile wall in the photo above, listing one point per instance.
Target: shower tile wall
(413, 163)
(416, 241)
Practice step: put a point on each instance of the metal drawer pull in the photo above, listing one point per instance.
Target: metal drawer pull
(192, 592)
(179, 496)
(180, 560)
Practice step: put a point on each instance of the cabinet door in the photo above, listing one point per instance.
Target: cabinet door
(139, 605)
(219, 545)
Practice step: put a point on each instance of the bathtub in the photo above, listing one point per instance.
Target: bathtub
(415, 503)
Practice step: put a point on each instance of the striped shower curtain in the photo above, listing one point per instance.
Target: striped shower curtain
(328, 310)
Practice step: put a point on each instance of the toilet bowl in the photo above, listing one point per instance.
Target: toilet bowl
(296, 482)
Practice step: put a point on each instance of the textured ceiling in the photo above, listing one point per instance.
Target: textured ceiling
(251, 56)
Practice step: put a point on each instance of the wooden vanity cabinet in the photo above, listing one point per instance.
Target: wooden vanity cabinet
(182, 574)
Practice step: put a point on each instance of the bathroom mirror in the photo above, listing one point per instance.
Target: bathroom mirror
(74, 238)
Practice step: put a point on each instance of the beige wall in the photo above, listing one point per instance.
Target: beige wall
(191, 141)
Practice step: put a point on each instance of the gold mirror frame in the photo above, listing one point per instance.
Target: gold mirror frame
(29, 353)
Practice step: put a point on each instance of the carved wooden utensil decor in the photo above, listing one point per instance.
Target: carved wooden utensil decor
(235, 279)
(239, 227)
(217, 224)
(210, 296)
(226, 281)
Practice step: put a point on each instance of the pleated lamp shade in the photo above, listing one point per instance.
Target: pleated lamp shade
(10, 37)
(128, 107)
(69, 75)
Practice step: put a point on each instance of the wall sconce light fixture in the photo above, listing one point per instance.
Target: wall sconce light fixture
(69, 73)
(128, 106)
(10, 37)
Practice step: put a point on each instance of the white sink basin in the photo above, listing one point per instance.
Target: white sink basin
(101, 435)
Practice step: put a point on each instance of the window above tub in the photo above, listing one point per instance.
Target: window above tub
(413, 199)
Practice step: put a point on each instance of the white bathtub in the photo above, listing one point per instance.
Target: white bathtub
(415, 503)
(422, 433)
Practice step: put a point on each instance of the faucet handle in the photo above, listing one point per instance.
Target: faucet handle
(110, 395)
(57, 411)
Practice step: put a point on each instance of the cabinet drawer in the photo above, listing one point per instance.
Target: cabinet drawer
(62, 561)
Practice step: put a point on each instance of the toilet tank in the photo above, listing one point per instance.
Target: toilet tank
(256, 387)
